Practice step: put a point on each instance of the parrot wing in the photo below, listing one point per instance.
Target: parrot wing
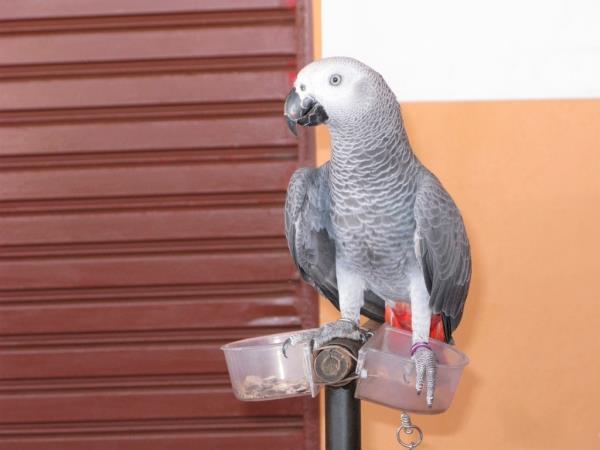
(443, 251)
(309, 235)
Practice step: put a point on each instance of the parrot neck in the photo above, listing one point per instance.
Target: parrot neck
(372, 148)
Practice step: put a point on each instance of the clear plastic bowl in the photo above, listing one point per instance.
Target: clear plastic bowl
(387, 372)
(259, 371)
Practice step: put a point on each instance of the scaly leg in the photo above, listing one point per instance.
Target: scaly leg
(422, 355)
(351, 289)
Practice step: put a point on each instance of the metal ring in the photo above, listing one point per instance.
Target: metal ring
(351, 376)
(335, 347)
(412, 444)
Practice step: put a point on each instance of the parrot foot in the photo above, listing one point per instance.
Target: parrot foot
(426, 368)
(343, 328)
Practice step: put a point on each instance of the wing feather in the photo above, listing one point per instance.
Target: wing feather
(311, 240)
(443, 249)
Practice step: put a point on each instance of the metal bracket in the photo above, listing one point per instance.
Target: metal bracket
(334, 366)
(335, 363)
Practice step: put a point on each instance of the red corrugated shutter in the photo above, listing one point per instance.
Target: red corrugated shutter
(143, 167)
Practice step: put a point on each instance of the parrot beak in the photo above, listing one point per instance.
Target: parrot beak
(306, 112)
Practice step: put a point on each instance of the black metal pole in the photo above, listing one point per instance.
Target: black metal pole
(342, 418)
(333, 365)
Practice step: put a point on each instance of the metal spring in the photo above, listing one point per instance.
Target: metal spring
(406, 423)
(408, 428)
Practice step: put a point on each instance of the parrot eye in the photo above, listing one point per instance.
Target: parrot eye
(302, 87)
(335, 79)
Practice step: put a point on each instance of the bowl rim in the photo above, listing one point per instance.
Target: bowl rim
(245, 344)
(463, 358)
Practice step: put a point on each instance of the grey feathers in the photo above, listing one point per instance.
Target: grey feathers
(374, 211)
(443, 248)
(309, 235)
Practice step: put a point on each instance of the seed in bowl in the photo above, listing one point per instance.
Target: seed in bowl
(255, 387)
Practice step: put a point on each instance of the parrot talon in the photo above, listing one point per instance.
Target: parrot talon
(426, 369)
(298, 338)
(285, 347)
(343, 328)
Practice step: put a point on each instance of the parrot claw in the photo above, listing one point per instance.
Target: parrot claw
(342, 328)
(293, 340)
(426, 368)
(285, 347)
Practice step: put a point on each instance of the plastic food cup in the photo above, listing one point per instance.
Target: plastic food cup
(259, 371)
(387, 373)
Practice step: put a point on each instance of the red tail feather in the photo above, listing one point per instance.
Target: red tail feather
(400, 317)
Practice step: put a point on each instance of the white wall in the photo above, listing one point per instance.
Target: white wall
(471, 49)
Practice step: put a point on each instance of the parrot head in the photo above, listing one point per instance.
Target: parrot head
(334, 91)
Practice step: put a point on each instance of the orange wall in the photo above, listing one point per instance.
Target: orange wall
(526, 176)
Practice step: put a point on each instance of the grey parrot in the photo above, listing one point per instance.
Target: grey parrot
(372, 226)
